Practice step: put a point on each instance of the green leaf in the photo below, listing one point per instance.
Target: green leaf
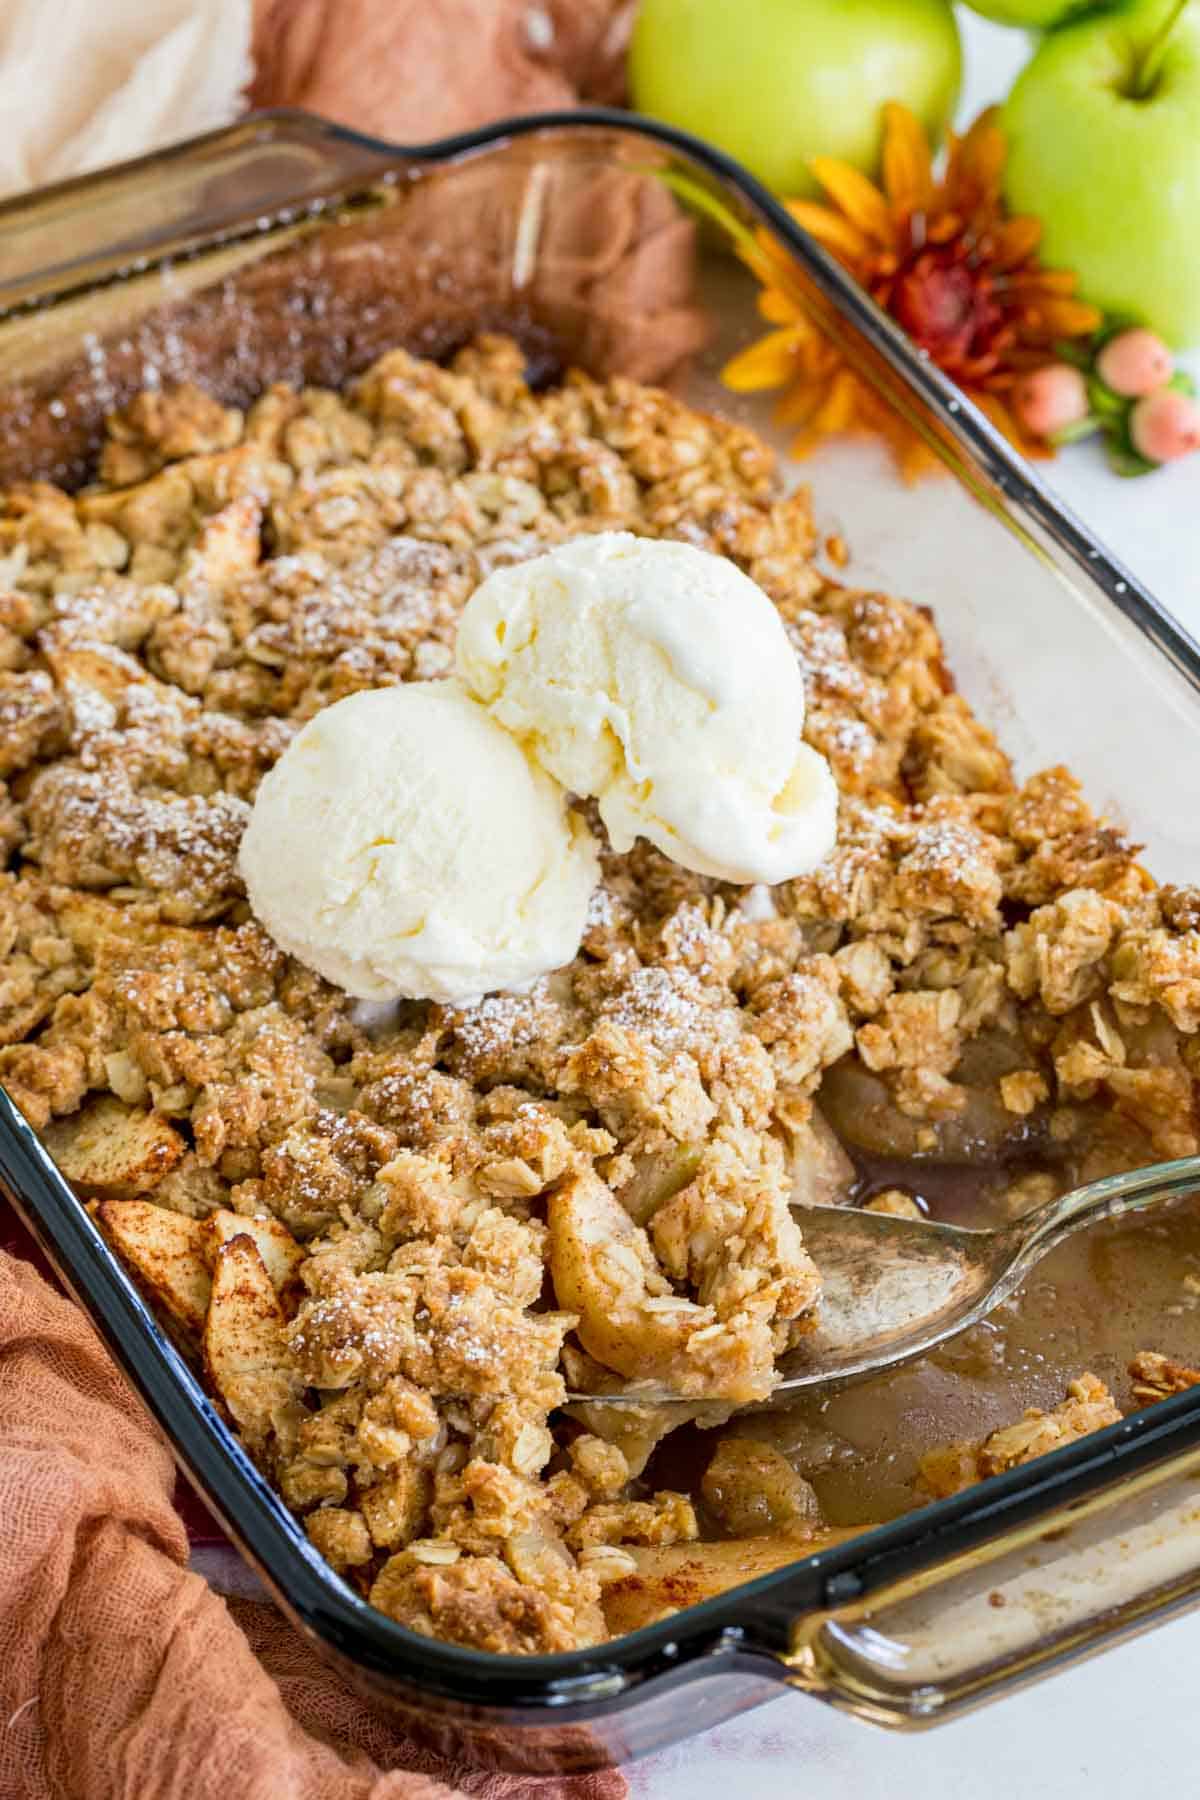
(1182, 382)
(1074, 434)
(1125, 461)
(1078, 355)
(1114, 324)
(1103, 401)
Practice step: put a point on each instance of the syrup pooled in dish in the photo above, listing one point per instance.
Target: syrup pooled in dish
(393, 1236)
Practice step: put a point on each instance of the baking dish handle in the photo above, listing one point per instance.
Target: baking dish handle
(268, 170)
(923, 1648)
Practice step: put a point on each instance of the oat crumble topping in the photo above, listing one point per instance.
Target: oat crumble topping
(396, 1238)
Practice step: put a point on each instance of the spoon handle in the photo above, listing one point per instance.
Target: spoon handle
(1107, 1199)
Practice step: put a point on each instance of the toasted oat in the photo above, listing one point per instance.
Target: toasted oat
(896, 1203)
(1157, 1377)
(1023, 1090)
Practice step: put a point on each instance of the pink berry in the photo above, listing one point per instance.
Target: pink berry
(1165, 426)
(1047, 400)
(1135, 362)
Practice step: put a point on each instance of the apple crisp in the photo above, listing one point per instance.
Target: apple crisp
(394, 1237)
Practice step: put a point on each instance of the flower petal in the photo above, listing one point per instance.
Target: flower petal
(993, 408)
(803, 445)
(859, 199)
(839, 409)
(763, 258)
(1016, 240)
(942, 227)
(832, 229)
(804, 395)
(983, 147)
(776, 307)
(907, 163)
(1034, 281)
(975, 164)
(767, 364)
(914, 461)
(799, 404)
(1057, 316)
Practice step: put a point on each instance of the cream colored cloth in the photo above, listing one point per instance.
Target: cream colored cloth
(89, 82)
(84, 83)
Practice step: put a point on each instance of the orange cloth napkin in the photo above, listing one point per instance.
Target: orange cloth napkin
(122, 1675)
(411, 70)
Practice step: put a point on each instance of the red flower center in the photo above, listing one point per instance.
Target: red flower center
(948, 309)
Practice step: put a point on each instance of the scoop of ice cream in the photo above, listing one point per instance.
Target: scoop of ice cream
(658, 679)
(404, 844)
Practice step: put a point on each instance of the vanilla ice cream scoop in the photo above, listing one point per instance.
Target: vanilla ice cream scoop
(658, 679)
(404, 844)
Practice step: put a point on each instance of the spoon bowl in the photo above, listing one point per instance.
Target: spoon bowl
(894, 1288)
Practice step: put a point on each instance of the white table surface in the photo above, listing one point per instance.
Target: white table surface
(1126, 1723)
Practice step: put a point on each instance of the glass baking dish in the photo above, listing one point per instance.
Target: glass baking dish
(285, 248)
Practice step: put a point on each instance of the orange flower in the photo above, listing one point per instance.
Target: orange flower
(940, 255)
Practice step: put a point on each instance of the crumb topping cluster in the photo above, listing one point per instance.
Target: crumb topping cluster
(449, 1215)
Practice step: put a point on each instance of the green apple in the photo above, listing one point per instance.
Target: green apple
(1104, 146)
(775, 82)
(1033, 15)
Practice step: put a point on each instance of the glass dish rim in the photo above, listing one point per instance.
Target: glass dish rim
(749, 1623)
(956, 414)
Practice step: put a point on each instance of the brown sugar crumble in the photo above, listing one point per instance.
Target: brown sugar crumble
(1087, 1407)
(1158, 1377)
(394, 1238)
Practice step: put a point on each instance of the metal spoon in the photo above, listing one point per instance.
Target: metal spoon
(894, 1288)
